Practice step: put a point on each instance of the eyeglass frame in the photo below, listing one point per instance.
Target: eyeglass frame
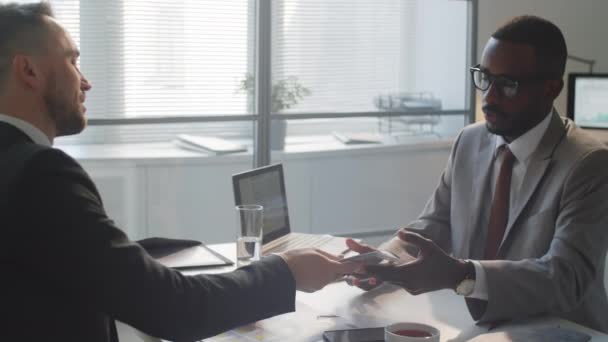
(505, 81)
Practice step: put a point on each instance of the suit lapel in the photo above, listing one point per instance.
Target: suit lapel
(540, 163)
(481, 179)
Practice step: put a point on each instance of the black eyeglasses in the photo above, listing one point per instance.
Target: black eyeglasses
(507, 87)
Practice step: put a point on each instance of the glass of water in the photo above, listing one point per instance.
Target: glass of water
(249, 218)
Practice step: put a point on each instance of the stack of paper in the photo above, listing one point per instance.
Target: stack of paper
(358, 138)
(208, 144)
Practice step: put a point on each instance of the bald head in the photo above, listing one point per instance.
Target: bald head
(24, 29)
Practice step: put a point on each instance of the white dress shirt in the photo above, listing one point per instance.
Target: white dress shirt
(522, 148)
(30, 130)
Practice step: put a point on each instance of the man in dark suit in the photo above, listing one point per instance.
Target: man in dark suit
(518, 224)
(68, 271)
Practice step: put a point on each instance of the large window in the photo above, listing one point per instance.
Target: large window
(164, 67)
(349, 53)
(404, 61)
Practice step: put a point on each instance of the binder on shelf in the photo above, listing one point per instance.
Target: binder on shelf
(357, 138)
(208, 144)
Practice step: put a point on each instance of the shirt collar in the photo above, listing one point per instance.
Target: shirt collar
(30, 130)
(523, 146)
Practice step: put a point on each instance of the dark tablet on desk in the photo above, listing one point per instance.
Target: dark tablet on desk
(183, 254)
(355, 335)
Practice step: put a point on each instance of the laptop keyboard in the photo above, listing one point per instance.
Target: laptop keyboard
(294, 241)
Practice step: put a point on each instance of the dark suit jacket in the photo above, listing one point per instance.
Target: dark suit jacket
(68, 271)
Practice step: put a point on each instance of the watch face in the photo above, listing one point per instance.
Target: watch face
(466, 287)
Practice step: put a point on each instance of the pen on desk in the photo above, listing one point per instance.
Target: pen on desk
(327, 316)
(344, 252)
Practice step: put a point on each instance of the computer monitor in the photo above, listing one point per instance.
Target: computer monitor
(588, 100)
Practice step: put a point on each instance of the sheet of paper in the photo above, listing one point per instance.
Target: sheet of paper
(304, 325)
(534, 334)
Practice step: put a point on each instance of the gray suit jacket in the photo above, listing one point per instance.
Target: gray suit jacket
(554, 249)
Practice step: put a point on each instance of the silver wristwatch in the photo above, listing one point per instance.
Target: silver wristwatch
(467, 285)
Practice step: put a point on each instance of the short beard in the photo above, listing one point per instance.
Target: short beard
(68, 120)
(508, 134)
(517, 129)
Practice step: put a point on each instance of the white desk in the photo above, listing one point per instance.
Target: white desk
(339, 305)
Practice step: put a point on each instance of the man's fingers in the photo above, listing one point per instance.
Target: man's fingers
(415, 239)
(384, 272)
(358, 247)
(365, 284)
(340, 268)
(347, 267)
(328, 255)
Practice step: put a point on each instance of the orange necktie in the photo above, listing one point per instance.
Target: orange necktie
(499, 214)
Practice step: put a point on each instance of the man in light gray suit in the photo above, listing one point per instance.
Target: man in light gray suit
(518, 224)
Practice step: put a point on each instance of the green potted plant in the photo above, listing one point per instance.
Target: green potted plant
(285, 94)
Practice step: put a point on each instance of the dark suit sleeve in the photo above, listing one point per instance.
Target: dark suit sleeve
(74, 247)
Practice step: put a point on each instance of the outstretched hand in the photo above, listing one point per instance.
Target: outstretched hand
(361, 280)
(433, 269)
(359, 247)
(312, 269)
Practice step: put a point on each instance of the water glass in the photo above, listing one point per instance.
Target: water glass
(249, 220)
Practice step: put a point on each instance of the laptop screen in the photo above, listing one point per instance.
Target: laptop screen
(265, 186)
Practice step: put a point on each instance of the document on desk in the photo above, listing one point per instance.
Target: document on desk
(534, 334)
(303, 325)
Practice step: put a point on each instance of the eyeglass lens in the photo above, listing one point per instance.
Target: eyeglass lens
(483, 80)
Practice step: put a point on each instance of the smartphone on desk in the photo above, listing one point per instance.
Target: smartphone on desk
(355, 335)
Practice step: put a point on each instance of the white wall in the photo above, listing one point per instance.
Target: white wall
(583, 23)
(441, 50)
(347, 191)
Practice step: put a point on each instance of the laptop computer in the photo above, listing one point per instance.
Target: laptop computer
(266, 186)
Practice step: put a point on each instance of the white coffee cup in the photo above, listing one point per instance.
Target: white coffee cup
(398, 332)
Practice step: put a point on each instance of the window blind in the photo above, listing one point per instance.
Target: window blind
(167, 58)
(151, 58)
(346, 53)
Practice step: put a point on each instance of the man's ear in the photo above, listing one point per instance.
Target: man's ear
(27, 71)
(554, 87)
